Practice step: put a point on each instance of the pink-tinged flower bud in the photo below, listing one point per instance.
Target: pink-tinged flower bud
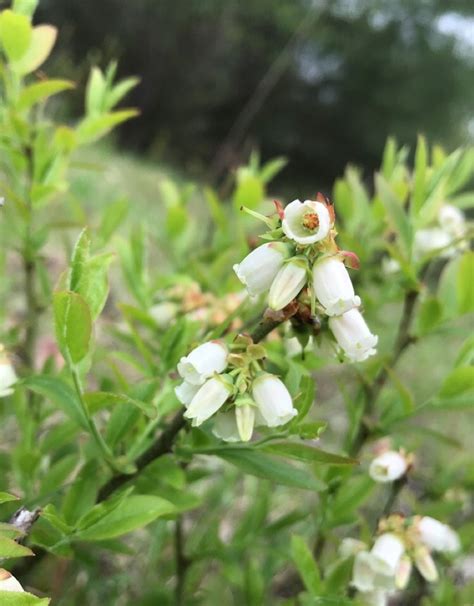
(245, 417)
(260, 267)
(353, 335)
(185, 392)
(9, 583)
(210, 397)
(203, 362)
(273, 400)
(386, 553)
(225, 427)
(306, 222)
(288, 283)
(8, 376)
(388, 467)
(403, 573)
(425, 564)
(438, 536)
(333, 287)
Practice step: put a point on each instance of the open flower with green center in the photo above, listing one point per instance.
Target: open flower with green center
(306, 222)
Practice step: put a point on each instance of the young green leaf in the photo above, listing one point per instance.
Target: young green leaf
(306, 565)
(73, 323)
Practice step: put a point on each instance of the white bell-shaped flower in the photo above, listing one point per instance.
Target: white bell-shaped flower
(245, 417)
(388, 467)
(203, 362)
(425, 564)
(273, 400)
(402, 576)
(210, 397)
(288, 283)
(452, 220)
(366, 575)
(431, 239)
(185, 392)
(306, 222)
(333, 286)
(260, 267)
(438, 536)
(387, 552)
(8, 582)
(8, 376)
(353, 335)
(225, 427)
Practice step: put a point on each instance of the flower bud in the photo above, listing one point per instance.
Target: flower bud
(333, 287)
(185, 392)
(8, 376)
(287, 283)
(8, 582)
(273, 400)
(349, 547)
(203, 362)
(353, 335)
(403, 573)
(210, 397)
(306, 222)
(386, 553)
(425, 564)
(245, 417)
(260, 267)
(225, 427)
(388, 467)
(164, 313)
(438, 536)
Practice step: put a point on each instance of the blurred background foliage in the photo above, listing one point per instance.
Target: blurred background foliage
(319, 82)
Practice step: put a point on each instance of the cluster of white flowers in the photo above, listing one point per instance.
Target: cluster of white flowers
(8, 376)
(233, 387)
(9, 583)
(401, 543)
(303, 253)
(390, 466)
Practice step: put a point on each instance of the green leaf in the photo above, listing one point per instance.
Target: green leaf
(395, 212)
(389, 158)
(305, 398)
(114, 214)
(40, 91)
(15, 34)
(303, 452)
(429, 316)
(133, 512)
(73, 325)
(61, 394)
(119, 91)
(272, 168)
(95, 92)
(102, 399)
(93, 284)
(465, 283)
(13, 598)
(250, 190)
(79, 258)
(5, 497)
(306, 565)
(459, 382)
(12, 549)
(95, 127)
(421, 162)
(260, 465)
(41, 44)
(82, 493)
(25, 7)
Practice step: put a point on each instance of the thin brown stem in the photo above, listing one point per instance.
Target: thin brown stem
(182, 562)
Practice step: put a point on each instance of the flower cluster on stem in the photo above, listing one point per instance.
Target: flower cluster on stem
(302, 260)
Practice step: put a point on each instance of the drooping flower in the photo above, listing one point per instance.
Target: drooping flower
(273, 400)
(225, 427)
(8, 582)
(425, 564)
(386, 552)
(210, 397)
(260, 267)
(203, 362)
(353, 335)
(438, 536)
(452, 220)
(367, 576)
(431, 239)
(185, 392)
(245, 418)
(288, 283)
(388, 467)
(8, 376)
(306, 222)
(333, 286)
